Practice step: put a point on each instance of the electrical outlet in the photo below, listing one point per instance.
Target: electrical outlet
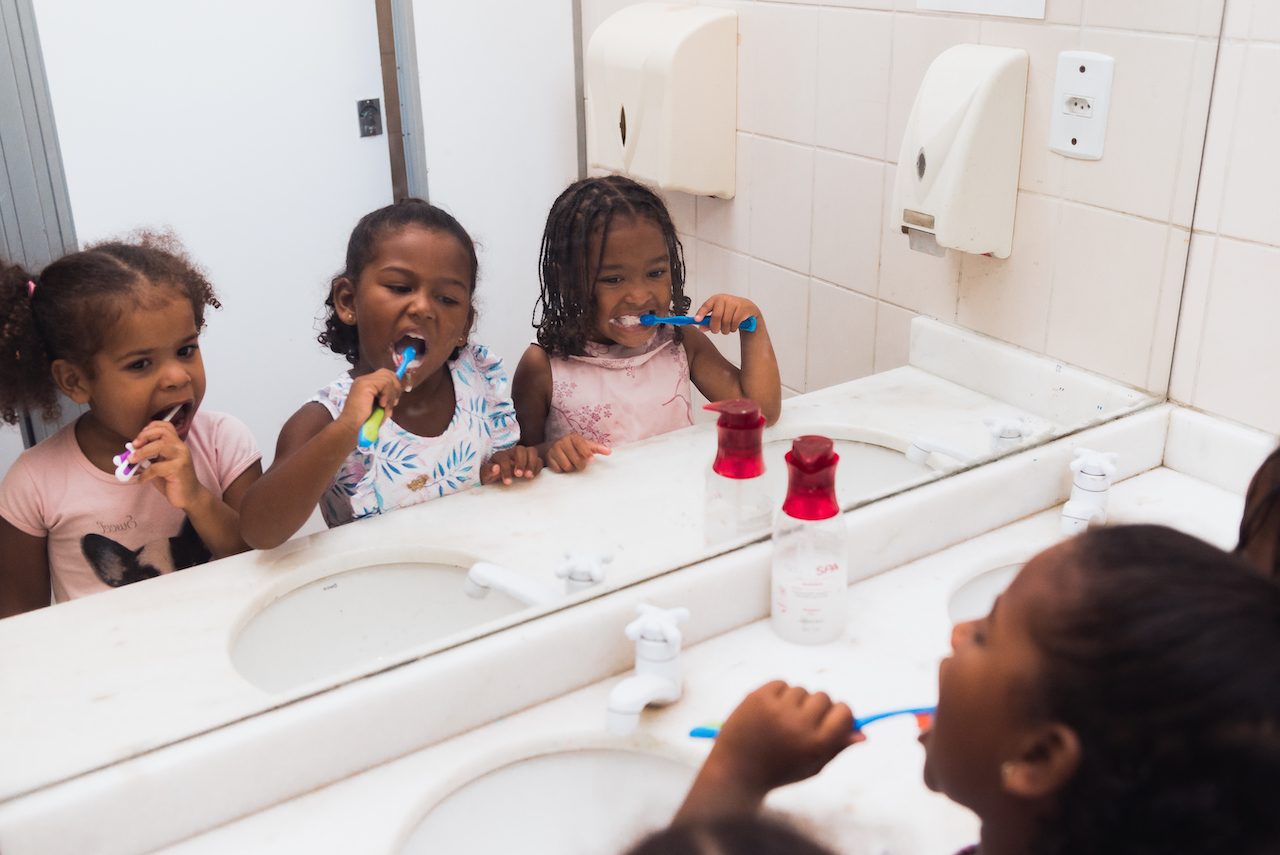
(1083, 89)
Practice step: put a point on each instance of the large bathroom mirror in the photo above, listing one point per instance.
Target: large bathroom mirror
(236, 125)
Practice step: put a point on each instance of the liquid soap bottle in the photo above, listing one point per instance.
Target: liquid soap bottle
(810, 548)
(739, 501)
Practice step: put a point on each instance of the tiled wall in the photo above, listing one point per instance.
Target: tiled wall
(1228, 353)
(824, 92)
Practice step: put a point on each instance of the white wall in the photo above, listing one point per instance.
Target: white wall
(823, 99)
(234, 123)
(1228, 354)
(501, 139)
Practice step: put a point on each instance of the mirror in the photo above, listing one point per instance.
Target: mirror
(237, 126)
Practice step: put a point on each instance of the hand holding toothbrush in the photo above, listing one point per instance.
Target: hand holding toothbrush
(778, 735)
(164, 460)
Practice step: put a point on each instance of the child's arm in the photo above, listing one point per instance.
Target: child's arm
(715, 376)
(779, 735)
(311, 447)
(531, 393)
(215, 518)
(24, 573)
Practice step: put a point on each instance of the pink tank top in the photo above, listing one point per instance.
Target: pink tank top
(615, 395)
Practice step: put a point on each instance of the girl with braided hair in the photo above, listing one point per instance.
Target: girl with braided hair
(597, 377)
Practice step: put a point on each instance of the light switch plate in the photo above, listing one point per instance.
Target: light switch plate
(1081, 102)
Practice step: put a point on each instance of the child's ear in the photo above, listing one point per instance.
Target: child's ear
(1047, 760)
(344, 300)
(71, 380)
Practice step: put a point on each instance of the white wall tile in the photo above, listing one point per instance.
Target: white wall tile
(1144, 128)
(1193, 134)
(720, 271)
(1235, 23)
(893, 337)
(786, 71)
(1106, 289)
(917, 42)
(783, 299)
(1041, 169)
(1218, 136)
(747, 46)
(1063, 11)
(1166, 326)
(1211, 17)
(1195, 296)
(1266, 22)
(842, 336)
(1009, 298)
(847, 206)
(1240, 353)
(884, 5)
(853, 80)
(914, 280)
(689, 244)
(1154, 16)
(1253, 181)
(727, 222)
(781, 202)
(681, 207)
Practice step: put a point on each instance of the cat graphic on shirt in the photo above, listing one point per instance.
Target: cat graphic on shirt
(118, 565)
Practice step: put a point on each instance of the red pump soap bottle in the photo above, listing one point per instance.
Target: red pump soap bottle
(810, 548)
(738, 499)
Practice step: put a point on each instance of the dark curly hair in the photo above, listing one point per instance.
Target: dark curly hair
(75, 302)
(1260, 525)
(344, 339)
(729, 835)
(1167, 667)
(567, 304)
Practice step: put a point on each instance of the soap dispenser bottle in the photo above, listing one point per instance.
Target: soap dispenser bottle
(810, 548)
(738, 499)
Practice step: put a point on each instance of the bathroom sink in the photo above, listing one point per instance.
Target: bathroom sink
(581, 802)
(974, 598)
(872, 463)
(358, 618)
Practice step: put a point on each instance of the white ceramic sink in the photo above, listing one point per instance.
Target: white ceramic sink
(358, 618)
(872, 463)
(583, 802)
(974, 598)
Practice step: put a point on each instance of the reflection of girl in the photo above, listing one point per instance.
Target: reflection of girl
(1122, 696)
(597, 377)
(409, 279)
(116, 327)
(1260, 525)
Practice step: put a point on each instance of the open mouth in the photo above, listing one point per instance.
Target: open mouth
(179, 418)
(406, 341)
(628, 321)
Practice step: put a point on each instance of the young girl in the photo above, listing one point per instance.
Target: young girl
(1260, 526)
(409, 280)
(116, 327)
(597, 377)
(1122, 696)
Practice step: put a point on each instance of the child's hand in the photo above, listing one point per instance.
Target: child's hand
(573, 452)
(727, 312)
(171, 469)
(379, 388)
(519, 461)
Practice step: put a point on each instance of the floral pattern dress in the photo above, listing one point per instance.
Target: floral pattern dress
(403, 468)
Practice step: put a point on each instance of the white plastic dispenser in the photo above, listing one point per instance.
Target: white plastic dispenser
(662, 97)
(957, 182)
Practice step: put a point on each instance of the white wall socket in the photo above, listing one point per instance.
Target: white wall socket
(1081, 99)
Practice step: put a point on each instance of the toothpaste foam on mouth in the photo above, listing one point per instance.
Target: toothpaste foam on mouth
(629, 321)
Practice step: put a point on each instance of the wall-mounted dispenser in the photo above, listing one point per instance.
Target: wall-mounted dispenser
(662, 96)
(957, 182)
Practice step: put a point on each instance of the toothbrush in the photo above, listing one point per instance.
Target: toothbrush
(749, 325)
(369, 430)
(126, 470)
(924, 718)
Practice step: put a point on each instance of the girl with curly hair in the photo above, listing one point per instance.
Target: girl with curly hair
(1123, 696)
(597, 376)
(116, 327)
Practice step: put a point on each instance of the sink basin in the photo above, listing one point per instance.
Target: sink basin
(567, 803)
(871, 463)
(358, 618)
(974, 598)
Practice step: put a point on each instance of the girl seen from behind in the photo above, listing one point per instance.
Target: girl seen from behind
(409, 280)
(116, 327)
(598, 377)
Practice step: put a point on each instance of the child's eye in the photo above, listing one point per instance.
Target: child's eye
(657, 274)
(448, 301)
(138, 365)
(610, 280)
(397, 287)
(187, 350)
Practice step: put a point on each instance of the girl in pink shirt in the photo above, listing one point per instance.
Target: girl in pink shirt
(116, 327)
(598, 377)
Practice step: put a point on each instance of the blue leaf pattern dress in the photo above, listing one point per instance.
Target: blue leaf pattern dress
(403, 468)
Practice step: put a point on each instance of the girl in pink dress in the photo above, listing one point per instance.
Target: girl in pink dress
(597, 377)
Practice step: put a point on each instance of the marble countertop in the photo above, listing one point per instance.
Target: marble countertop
(869, 800)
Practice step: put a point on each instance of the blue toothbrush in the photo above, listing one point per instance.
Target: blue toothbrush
(369, 430)
(749, 325)
(923, 716)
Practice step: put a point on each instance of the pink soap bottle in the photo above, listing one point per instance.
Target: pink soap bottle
(739, 502)
(810, 548)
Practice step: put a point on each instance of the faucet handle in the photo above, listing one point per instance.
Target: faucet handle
(1003, 428)
(584, 566)
(1095, 463)
(657, 624)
